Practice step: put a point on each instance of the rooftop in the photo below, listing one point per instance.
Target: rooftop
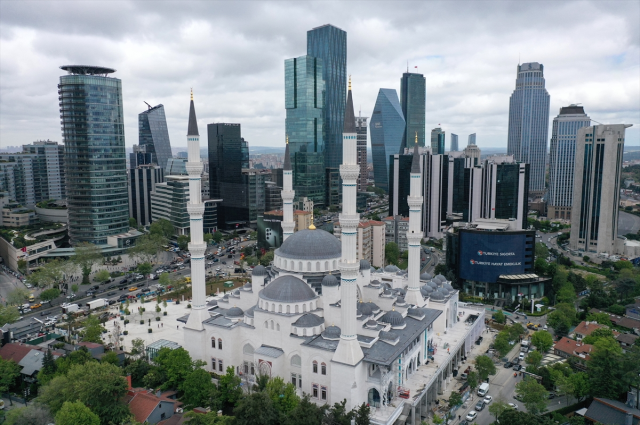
(88, 70)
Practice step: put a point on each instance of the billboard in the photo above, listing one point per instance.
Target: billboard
(269, 231)
(484, 256)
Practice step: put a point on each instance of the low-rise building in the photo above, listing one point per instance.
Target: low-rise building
(605, 411)
(396, 228)
(567, 348)
(15, 215)
(370, 241)
(585, 329)
(151, 407)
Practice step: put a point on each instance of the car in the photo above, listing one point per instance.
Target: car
(145, 290)
(95, 287)
(29, 286)
(513, 406)
(133, 288)
(517, 367)
(122, 297)
(471, 416)
(488, 399)
(552, 395)
(110, 294)
(479, 405)
(38, 305)
(112, 287)
(545, 327)
(89, 293)
(516, 360)
(463, 376)
(507, 365)
(70, 297)
(521, 356)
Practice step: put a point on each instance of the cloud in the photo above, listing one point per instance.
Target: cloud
(232, 54)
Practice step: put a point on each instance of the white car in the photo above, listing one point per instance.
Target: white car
(28, 285)
(471, 416)
(488, 399)
(513, 406)
(545, 327)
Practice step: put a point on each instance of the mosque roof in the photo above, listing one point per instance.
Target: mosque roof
(425, 276)
(330, 280)
(364, 265)
(393, 318)
(332, 332)
(259, 270)
(234, 312)
(391, 268)
(288, 289)
(308, 320)
(310, 245)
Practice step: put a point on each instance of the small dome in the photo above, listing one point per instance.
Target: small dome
(310, 245)
(449, 288)
(432, 284)
(375, 283)
(364, 265)
(372, 269)
(393, 318)
(332, 333)
(415, 312)
(391, 268)
(374, 307)
(371, 324)
(443, 291)
(234, 312)
(437, 296)
(288, 289)
(330, 280)
(440, 278)
(365, 309)
(247, 286)
(400, 273)
(308, 320)
(426, 290)
(425, 276)
(259, 270)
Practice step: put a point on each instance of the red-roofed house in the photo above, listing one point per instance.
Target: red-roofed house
(566, 348)
(15, 351)
(585, 329)
(148, 407)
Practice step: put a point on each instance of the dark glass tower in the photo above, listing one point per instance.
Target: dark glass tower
(386, 129)
(304, 89)
(154, 135)
(413, 97)
(95, 161)
(329, 43)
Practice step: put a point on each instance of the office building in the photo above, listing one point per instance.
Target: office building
(154, 135)
(332, 186)
(399, 184)
(454, 143)
(437, 141)
(142, 181)
(596, 188)
(304, 100)
(413, 98)
(529, 123)
(505, 192)
(370, 241)
(471, 140)
(329, 44)
(361, 131)
(169, 201)
(176, 167)
(396, 228)
(95, 158)
(562, 156)
(254, 193)
(272, 196)
(386, 130)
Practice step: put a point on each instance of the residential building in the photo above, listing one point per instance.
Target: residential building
(586, 328)
(529, 123)
(28, 358)
(329, 44)
(95, 158)
(606, 411)
(454, 143)
(396, 228)
(413, 98)
(149, 407)
(304, 204)
(361, 131)
(387, 131)
(142, 181)
(370, 241)
(169, 201)
(437, 141)
(16, 178)
(596, 189)
(567, 348)
(562, 157)
(633, 310)
(304, 91)
(272, 196)
(15, 215)
(471, 140)
(153, 134)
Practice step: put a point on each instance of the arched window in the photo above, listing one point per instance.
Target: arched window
(300, 265)
(304, 332)
(297, 311)
(279, 308)
(266, 324)
(335, 266)
(315, 366)
(213, 342)
(304, 308)
(272, 324)
(323, 369)
(219, 343)
(285, 264)
(310, 306)
(326, 266)
(277, 326)
(308, 266)
(288, 309)
(248, 349)
(317, 266)
(273, 306)
(296, 361)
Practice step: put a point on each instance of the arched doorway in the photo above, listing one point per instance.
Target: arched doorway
(374, 397)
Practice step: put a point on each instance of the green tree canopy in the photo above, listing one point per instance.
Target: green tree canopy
(598, 334)
(534, 359)
(102, 276)
(485, 367)
(501, 343)
(562, 318)
(542, 340)
(85, 256)
(391, 253)
(51, 273)
(198, 388)
(230, 389)
(162, 227)
(533, 395)
(600, 318)
(283, 395)
(175, 365)
(210, 418)
(9, 372)
(305, 413)
(144, 268)
(133, 222)
(8, 314)
(76, 413)
(92, 331)
(110, 357)
(256, 409)
(17, 296)
(50, 294)
(541, 250)
(497, 407)
(33, 414)
(472, 380)
(604, 369)
(217, 237)
(147, 247)
(266, 259)
(500, 317)
(183, 242)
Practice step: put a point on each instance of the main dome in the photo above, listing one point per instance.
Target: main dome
(310, 245)
(288, 289)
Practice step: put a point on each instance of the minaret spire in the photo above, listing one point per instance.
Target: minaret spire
(287, 195)
(414, 234)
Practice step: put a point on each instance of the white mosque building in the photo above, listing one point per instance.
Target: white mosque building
(332, 325)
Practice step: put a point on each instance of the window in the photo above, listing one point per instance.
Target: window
(213, 342)
(324, 393)
(246, 368)
(220, 368)
(296, 361)
(253, 369)
(323, 369)
(163, 415)
(272, 324)
(213, 363)
(219, 343)
(293, 379)
(277, 326)
(315, 391)
(266, 325)
(315, 366)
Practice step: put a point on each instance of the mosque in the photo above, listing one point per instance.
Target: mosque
(333, 326)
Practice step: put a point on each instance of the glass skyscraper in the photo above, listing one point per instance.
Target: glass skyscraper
(154, 135)
(95, 159)
(329, 44)
(387, 132)
(471, 140)
(304, 100)
(529, 123)
(562, 159)
(437, 141)
(454, 143)
(413, 97)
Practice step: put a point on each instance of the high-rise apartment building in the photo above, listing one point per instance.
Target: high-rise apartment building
(370, 241)
(529, 123)
(361, 131)
(596, 188)
(471, 140)
(95, 158)
(387, 130)
(329, 44)
(169, 201)
(562, 159)
(304, 99)
(454, 143)
(413, 97)
(142, 181)
(437, 141)
(153, 134)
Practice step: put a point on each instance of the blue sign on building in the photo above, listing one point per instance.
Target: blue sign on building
(486, 256)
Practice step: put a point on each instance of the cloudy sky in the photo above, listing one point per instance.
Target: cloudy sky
(232, 54)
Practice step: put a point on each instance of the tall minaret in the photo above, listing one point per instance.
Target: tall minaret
(349, 351)
(195, 207)
(287, 196)
(414, 234)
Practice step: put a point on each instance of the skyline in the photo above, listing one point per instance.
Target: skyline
(233, 57)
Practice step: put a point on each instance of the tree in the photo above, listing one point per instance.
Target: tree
(564, 386)
(542, 340)
(305, 413)
(111, 357)
(9, 372)
(50, 294)
(626, 286)
(147, 247)
(210, 418)
(541, 250)
(580, 384)
(162, 227)
(76, 413)
(137, 369)
(497, 408)
(256, 409)
(183, 242)
(598, 334)
(604, 369)
(85, 256)
(175, 365)
(74, 288)
(500, 317)
(533, 395)
(217, 237)
(17, 296)
(515, 331)
(283, 395)
(562, 318)
(133, 222)
(230, 389)
(8, 314)
(472, 380)
(93, 330)
(501, 343)
(391, 253)
(455, 399)
(102, 276)
(207, 238)
(541, 266)
(22, 266)
(165, 279)
(514, 417)
(144, 268)
(338, 414)
(34, 414)
(51, 273)
(49, 368)
(79, 357)
(266, 259)
(485, 367)
(362, 414)
(198, 388)
(534, 359)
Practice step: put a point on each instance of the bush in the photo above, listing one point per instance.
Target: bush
(177, 302)
(121, 317)
(126, 321)
(149, 330)
(142, 322)
(157, 319)
(164, 314)
(126, 332)
(188, 305)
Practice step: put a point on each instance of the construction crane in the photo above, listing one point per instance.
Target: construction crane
(148, 105)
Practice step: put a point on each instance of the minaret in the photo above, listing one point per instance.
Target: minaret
(195, 207)
(414, 234)
(287, 196)
(349, 351)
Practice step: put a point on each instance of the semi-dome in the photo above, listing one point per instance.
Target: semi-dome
(308, 320)
(259, 270)
(234, 312)
(310, 245)
(391, 268)
(393, 318)
(288, 289)
(425, 276)
(332, 333)
(364, 265)
(330, 280)
(440, 278)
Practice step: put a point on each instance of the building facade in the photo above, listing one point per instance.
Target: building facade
(471, 140)
(387, 130)
(95, 158)
(413, 98)
(437, 141)
(370, 241)
(153, 134)
(562, 157)
(142, 181)
(454, 143)
(529, 123)
(596, 189)
(395, 230)
(169, 201)
(361, 131)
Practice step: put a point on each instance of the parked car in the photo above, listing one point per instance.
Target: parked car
(513, 406)
(471, 416)
(507, 365)
(488, 399)
(479, 405)
(517, 367)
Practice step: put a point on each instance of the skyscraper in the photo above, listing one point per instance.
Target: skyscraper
(95, 161)
(387, 129)
(454, 143)
(596, 189)
(413, 97)
(304, 90)
(154, 135)
(437, 141)
(361, 131)
(562, 159)
(471, 140)
(529, 123)
(142, 181)
(329, 44)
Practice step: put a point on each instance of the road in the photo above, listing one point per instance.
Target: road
(7, 284)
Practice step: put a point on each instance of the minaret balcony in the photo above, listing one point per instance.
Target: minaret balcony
(195, 209)
(349, 172)
(194, 168)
